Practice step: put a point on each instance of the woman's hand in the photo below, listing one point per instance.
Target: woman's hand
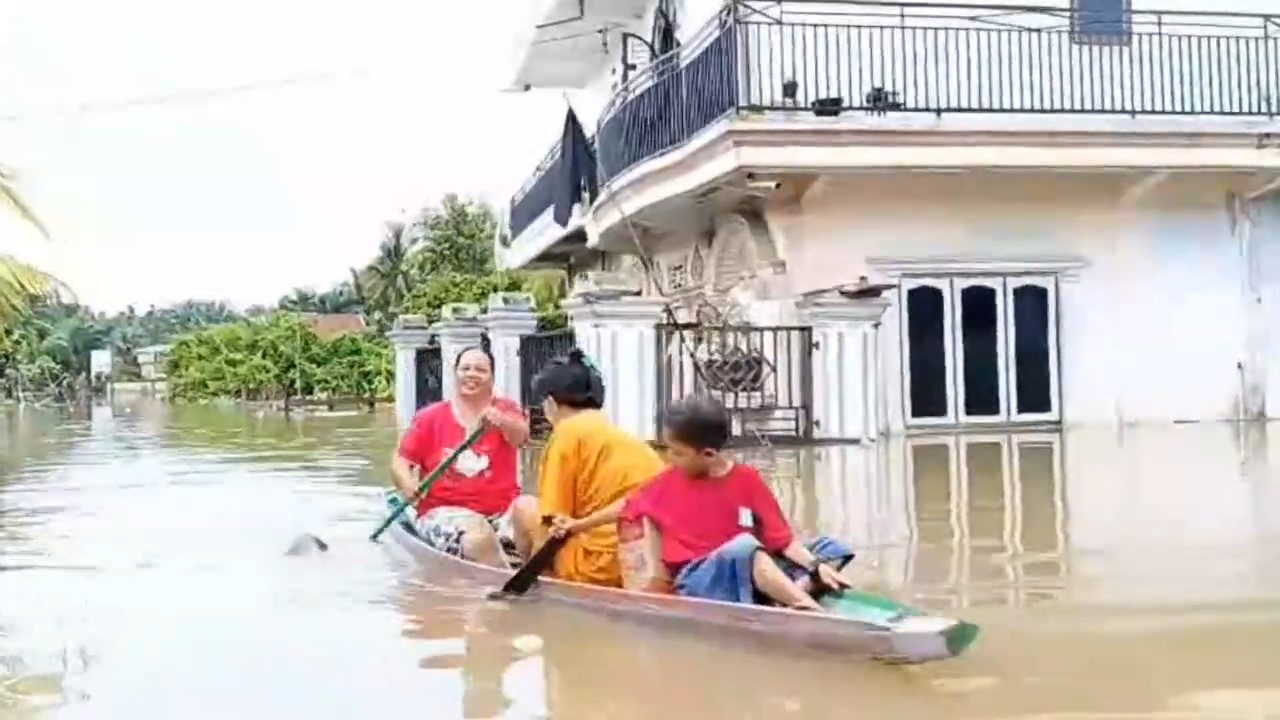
(496, 417)
(513, 427)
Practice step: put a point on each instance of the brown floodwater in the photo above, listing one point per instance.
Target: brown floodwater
(142, 575)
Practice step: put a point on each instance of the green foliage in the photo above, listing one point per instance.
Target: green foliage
(548, 288)
(276, 357)
(428, 297)
(456, 237)
(45, 350)
(445, 255)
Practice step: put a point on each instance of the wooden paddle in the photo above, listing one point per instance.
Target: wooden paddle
(527, 575)
(425, 486)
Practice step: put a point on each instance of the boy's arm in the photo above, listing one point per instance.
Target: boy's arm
(772, 528)
(797, 553)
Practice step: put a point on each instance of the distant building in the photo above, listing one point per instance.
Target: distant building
(151, 361)
(100, 362)
(328, 326)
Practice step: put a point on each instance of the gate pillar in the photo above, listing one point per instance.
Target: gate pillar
(618, 335)
(846, 367)
(508, 317)
(408, 336)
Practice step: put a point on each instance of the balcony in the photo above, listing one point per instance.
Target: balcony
(900, 59)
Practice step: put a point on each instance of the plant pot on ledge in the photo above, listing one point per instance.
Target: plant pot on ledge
(828, 107)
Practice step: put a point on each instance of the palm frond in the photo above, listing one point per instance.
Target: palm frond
(10, 195)
(21, 283)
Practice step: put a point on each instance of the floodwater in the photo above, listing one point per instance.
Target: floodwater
(142, 575)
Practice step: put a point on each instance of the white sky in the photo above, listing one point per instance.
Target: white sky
(244, 196)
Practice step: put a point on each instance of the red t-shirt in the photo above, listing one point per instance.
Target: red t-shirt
(484, 477)
(698, 515)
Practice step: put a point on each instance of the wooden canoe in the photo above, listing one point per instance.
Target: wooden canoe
(855, 623)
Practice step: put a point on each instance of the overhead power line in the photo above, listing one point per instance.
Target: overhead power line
(188, 96)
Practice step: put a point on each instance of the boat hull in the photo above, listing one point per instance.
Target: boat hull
(855, 623)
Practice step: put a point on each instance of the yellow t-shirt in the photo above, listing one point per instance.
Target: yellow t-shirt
(587, 465)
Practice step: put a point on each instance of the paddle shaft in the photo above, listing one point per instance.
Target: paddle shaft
(425, 486)
(527, 575)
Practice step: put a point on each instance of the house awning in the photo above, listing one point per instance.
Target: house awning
(571, 42)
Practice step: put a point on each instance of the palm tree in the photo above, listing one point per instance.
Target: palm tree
(389, 281)
(20, 283)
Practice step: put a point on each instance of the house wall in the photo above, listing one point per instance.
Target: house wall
(1151, 328)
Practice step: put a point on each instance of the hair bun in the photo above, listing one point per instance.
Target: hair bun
(577, 357)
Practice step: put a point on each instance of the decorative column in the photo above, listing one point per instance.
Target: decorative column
(618, 334)
(459, 328)
(509, 317)
(409, 334)
(846, 366)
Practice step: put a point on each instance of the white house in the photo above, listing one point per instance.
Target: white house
(151, 361)
(1071, 205)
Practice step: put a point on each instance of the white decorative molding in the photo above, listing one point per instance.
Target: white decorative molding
(836, 310)
(619, 310)
(601, 285)
(410, 331)
(1067, 267)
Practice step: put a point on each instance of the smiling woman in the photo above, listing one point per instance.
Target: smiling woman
(20, 283)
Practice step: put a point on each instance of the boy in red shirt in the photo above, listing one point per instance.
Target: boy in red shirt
(723, 535)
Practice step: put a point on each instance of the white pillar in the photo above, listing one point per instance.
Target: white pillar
(459, 328)
(846, 367)
(409, 334)
(509, 316)
(618, 334)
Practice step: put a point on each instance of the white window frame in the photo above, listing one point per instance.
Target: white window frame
(948, 349)
(1050, 284)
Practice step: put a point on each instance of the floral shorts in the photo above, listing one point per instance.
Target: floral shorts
(442, 528)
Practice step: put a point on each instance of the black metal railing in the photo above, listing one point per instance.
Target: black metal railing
(536, 350)
(762, 375)
(671, 100)
(429, 385)
(882, 58)
(913, 57)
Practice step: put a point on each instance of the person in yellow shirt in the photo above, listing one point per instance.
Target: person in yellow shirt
(588, 466)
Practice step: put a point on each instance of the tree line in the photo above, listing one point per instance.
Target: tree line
(443, 255)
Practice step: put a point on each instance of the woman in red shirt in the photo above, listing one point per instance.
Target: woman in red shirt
(467, 511)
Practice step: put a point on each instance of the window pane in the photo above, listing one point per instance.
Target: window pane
(979, 318)
(1031, 349)
(926, 342)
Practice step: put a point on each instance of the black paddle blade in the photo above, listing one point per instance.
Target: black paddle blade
(528, 574)
(307, 544)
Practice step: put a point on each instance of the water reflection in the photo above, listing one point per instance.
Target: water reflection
(1123, 574)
